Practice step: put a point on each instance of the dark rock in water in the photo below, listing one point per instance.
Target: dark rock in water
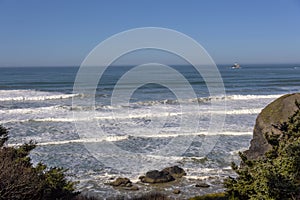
(275, 113)
(176, 191)
(166, 175)
(156, 176)
(202, 185)
(121, 182)
(124, 183)
(175, 171)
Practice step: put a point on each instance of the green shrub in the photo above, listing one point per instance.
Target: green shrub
(277, 174)
(151, 196)
(215, 196)
(20, 180)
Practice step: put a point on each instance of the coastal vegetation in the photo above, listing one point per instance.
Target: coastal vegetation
(276, 175)
(215, 196)
(19, 179)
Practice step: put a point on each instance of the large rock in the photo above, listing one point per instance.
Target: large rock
(175, 171)
(275, 113)
(124, 183)
(156, 176)
(121, 182)
(166, 175)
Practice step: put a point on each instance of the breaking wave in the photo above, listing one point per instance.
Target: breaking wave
(32, 95)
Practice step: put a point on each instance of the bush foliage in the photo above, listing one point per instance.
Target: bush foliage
(19, 179)
(214, 196)
(277, 174)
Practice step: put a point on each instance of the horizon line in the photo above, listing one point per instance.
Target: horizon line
(130, 65)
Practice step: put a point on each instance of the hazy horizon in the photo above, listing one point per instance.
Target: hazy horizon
(173, 64)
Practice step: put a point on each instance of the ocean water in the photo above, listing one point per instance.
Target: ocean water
(36, 104)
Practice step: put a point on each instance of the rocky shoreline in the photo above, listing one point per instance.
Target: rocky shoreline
(174, 181)
(179, 182)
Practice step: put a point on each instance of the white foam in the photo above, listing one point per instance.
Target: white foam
(239, 111)
(61, 114)
(126, 137)
(124, 115)
(195, 177)
(251, 97)
(49, 119)
(235, 97)
(32, 95)
(29, 110)
(88, 140)
(208, 99)
(52, 119)
(166, 135)
(196, 173)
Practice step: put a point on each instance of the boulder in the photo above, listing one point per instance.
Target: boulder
(124, 184)
(156, 176)
(275, 113)
(121, 182)
(202, 185)
(175, 171)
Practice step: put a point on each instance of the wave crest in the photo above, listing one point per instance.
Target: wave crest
(32, 95)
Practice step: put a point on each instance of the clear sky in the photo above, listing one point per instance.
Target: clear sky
(61, 32)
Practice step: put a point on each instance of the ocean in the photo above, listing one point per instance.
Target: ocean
(36, 104)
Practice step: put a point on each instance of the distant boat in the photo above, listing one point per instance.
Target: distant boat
(236, 66)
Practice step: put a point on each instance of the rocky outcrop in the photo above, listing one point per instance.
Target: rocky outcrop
(275, 113)
(175, 171)
(166, 175)
(124, 183)
(156, 176)
(121, 182)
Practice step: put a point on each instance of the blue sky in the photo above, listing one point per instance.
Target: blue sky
(62, 33)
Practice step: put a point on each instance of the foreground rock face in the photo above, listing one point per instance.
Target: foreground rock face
(275, 113)
(166, 175)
